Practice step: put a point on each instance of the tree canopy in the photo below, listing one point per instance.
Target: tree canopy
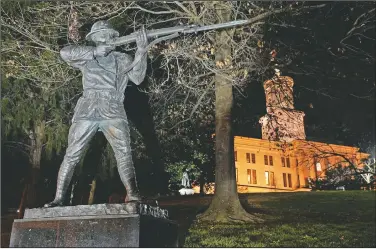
(185, 74)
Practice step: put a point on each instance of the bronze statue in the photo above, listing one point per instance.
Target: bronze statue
(105, 75)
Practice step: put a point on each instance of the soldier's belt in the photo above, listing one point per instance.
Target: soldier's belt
(110, 95)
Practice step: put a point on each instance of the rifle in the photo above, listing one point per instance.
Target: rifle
(172, 32)
(169, 33)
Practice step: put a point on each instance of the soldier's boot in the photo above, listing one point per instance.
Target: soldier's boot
(133, 194)
(128, 177)
(54, 203)
(63, 180)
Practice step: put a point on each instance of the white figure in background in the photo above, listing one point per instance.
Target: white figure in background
(185, 180)
(186, 190)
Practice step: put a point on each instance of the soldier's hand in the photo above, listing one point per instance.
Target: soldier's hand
(103, 50)
(142, 39)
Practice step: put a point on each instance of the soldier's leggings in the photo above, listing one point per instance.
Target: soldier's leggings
(80, 133)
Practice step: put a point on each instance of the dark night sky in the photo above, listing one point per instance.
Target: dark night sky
(322, 80)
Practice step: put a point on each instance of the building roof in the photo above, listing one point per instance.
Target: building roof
(296, 146)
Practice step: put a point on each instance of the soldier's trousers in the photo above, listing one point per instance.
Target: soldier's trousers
(80, 133)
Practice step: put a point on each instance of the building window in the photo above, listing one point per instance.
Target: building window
(251, 175)
(289, 179)
(268, 160)
(306, 182)
(272, 178)
(298, 180)
(285, 162)
(248, 156)
(265, 159)
(236, 155)
(236, 174)
(267, 178)
(254, 177)
(253, 158)
(318, 166)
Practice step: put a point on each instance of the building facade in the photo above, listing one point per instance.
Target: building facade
(272, 166)
(283, 160)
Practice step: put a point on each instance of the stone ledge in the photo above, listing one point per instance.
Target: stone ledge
(96, 210)
(131, 230)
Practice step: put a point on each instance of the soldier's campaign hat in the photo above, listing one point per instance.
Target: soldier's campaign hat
(101, 26)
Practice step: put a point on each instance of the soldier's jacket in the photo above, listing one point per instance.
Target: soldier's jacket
(103, 81)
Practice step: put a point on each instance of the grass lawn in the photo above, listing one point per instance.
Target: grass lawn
(303, 219)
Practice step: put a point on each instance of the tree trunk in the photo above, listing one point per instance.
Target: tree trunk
(225, 205)
(36, 144)
(21, 207)
(92, 191)
(202, 182)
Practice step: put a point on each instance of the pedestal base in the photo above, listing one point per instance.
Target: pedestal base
(186, 191)
(124, 229)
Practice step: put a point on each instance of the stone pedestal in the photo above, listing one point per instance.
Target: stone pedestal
(186, 191)
(102, 225)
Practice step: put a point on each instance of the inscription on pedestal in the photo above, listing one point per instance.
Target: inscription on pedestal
(89, 227)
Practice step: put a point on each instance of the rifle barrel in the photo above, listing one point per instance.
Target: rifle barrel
(150, 34)
(217, 26)
(154, 33)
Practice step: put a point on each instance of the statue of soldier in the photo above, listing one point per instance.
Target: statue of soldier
(104, 79)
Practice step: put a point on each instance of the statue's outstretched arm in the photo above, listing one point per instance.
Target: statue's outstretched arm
(137, 74)
(77, 56)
